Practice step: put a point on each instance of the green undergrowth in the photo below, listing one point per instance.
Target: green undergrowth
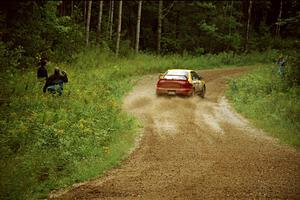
(52, 141)
(49, 142)
(270, 101)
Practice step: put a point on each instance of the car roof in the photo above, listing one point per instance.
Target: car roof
(187, 70)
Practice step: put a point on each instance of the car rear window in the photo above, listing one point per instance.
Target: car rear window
(176, 74)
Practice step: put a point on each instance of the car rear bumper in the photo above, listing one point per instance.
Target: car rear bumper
(174, 91)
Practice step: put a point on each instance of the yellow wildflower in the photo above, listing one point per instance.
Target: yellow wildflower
(81, 126)
(106, 150)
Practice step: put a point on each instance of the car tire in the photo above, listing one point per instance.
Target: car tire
(193, 93)
(202, 92)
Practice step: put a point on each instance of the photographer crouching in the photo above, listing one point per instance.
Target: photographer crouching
(54, 83)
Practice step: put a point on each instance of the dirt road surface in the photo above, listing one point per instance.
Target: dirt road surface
(193, 148)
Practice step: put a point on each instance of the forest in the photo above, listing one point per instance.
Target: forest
(49, 143)
(58, 29)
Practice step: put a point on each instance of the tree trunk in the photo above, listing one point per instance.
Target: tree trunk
(99, 22)
(279, 20)
(72, 7)
(108, 21)
(231, 8)
(88, 23)
(159, 26)
(84, 13)
(119, 27)
(111, 21)
(138, 26)
(62, 8)
(248, 25)
(177, 25)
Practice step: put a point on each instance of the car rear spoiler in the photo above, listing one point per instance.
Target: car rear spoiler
(163, 76)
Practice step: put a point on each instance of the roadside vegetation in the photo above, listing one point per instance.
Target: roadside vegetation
(271, 101)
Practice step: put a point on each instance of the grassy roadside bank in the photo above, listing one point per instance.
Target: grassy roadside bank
(270, 101)
(50, 142)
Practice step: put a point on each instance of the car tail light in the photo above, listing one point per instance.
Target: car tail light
(158, 82)
(187, 84)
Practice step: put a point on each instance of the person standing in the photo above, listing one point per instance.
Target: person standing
(42, 72)
(281, 65)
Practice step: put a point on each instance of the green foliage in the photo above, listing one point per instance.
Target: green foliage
(55, 137)
(10, 58)
(63, 35)
(125, 49)
(210, 29)
(270, 101)
(292, 76)
(205, 5)
(35, 31)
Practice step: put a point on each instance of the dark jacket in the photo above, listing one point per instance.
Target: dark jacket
(42, 72)
(55, 79)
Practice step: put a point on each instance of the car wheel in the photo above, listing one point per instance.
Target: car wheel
(193, 93)
(202, 92)
(158, 94)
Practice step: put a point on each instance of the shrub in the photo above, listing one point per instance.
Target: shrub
(270, 102)
(10, 58)
(293, 71)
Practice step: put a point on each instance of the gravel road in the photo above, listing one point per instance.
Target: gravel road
(194, 148)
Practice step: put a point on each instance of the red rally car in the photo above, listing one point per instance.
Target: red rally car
(180, 82)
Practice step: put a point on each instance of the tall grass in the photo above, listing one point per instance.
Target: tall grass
(55, 140)
(50, 141)
(270, 102)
